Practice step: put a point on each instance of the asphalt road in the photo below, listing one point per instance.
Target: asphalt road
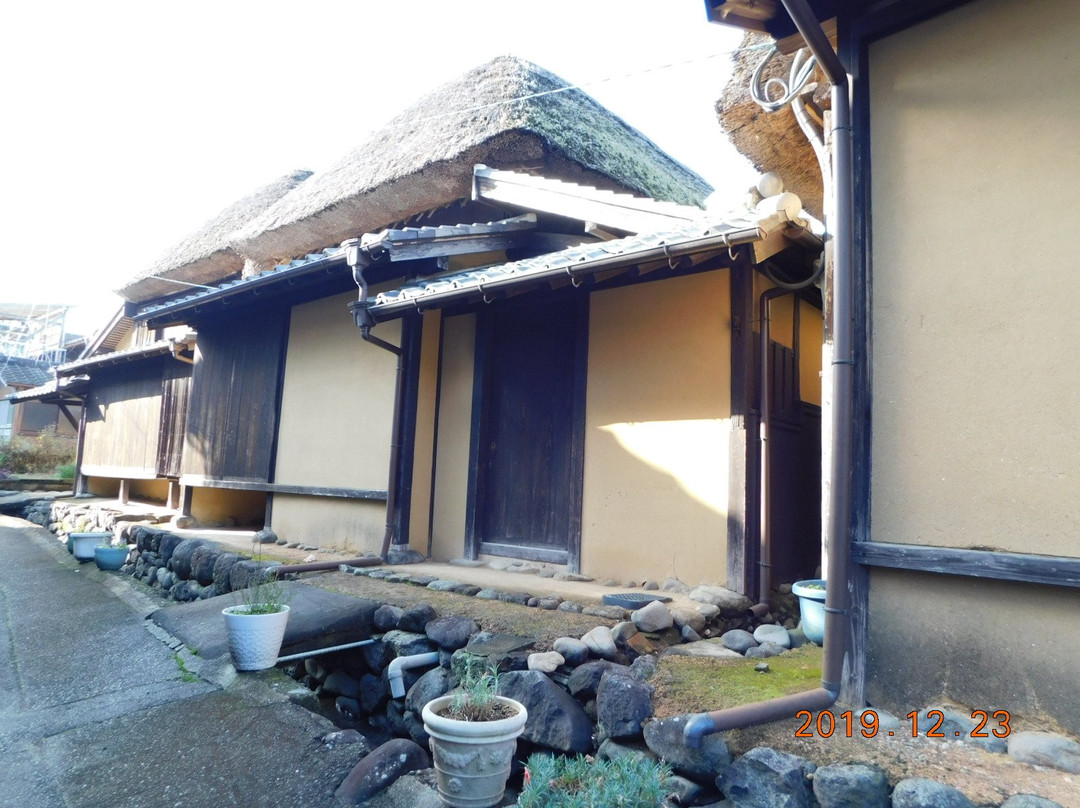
(98, 711)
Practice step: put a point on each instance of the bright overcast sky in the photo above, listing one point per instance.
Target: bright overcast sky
(128, 125)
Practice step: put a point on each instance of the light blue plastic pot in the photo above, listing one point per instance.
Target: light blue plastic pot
(812, 608)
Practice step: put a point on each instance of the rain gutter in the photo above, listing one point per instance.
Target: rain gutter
(359, 259)
(838, 531)
(663, 252)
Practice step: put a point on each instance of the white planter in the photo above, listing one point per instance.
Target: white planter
(254, 639)
(472, 758)
(83, 544)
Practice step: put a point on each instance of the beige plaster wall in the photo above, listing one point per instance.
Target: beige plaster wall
(455, 431)
(356, 526)
(975, 336)
(658, 400)
(939, 636)
(223, 506)
(424, 445)
(336, 416)
(149, 490)
(103, 486)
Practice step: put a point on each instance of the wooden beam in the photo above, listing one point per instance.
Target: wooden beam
(280, 488)
(997, 565)
(67, 414)
(606, 209)
(742, 519)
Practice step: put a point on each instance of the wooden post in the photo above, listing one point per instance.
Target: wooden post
(125, 491)
(186, 492)
(742, 550)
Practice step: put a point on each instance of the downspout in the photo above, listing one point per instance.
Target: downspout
(839, 524)
(764, 490)
(358, 261)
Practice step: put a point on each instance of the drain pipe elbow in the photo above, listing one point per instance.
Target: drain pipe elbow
(395, 671)
(697, 728)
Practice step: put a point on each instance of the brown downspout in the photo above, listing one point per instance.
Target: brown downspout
(358, 261)
(764, 490)
(838, 532)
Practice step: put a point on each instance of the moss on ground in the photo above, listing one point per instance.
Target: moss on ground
(693, 684)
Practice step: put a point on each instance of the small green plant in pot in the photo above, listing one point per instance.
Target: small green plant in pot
(255, 627)
(474, 735)
(111, 555)
(581, 782)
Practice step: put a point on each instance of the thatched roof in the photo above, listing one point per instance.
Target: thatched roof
(207, 254)
(507, 113)
(771, 141)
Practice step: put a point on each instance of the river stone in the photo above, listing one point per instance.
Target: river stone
(265, 536)
(518, 598)
(451, 632)
(340, 683)
(244, 573)
(573, 650)
(919, 792)
(386, 617)
(167, 544)
(486, 644)
(374, 692)
(622, 632)
(415, 618)
(180, 563)
(765, 650)
(773, 634)
(556, 720)
(664, 737)
(704, 648)
(767, 778)
(612, 750)
(643, 667)
(601, 643)
(545, 662)
(443, 585)
(653, 616)
(623, 702)
(585, 679)
(222, 567)
(607, 612)
(432, 685)
(1029, 801)
(405, 643)
(675, 585)
(570, 606)
(687, 634)
(688, 617)
(731, 604)
(1045, 749)
(202, 563)
(682, 791)
(851, 785)
(738, 640)
(379, 769)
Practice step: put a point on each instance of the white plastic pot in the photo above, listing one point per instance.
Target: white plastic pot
(254, 639)
(83, 544)
(472, 758)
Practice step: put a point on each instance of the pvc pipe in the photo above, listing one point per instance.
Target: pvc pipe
(320, 651)
(398, 665)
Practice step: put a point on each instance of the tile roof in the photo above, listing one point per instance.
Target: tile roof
(16, 371)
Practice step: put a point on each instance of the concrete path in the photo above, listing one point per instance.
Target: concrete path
(95, 710)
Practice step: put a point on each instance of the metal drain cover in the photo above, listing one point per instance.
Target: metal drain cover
(633, 600)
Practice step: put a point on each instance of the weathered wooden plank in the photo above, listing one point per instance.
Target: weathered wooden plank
(196, 481)
(742, 459)
(994, 564)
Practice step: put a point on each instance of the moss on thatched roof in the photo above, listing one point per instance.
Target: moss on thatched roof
(770, 141)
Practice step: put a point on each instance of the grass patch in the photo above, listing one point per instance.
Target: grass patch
(692, 685)
(185, 674)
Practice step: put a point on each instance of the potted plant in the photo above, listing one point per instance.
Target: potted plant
(111, 555)
(255, 627)
(631, 781)
(82, 545)
(811, 595)
(474, 735)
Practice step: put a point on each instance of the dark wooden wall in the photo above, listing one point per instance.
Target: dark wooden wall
(175, 389)
(123, 413)
(232, 412)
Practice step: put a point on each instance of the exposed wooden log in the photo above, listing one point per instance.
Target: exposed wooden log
(376, 495)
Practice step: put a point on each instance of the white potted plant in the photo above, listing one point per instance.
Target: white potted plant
(256, 626)
(474, 735)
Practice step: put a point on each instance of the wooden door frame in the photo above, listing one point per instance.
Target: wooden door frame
(474, 545)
